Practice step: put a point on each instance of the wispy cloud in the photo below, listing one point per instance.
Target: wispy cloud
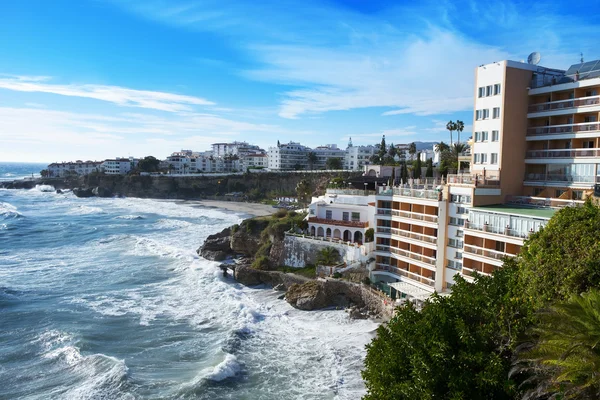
(113, 94)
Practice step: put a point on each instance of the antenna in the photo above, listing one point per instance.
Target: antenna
(534, 58)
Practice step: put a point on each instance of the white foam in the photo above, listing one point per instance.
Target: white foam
(45, 188)
(129, 217)
(7, 210)
(85, 210)
(228, 368)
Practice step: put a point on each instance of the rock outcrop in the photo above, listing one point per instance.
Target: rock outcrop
(249, 276)
(217, 247)
(81, 192)
(100, 191)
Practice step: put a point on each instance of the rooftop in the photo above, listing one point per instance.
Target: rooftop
(516, 210)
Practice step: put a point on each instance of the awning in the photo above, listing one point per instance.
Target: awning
(411, 290)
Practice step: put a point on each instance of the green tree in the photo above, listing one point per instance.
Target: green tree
(334, 163)
(441, 147)
(392, 150)
(382, 149)
(456, 347)
(303, 191)
(565, 359)
(149, 164)
(429, 171)
(460, 126)
(312, 159)
(412, 150)
(404, 172)
(563, 258)
(328, 256)
(417, 166)
(451, 126)
(369, 235)
(44, 173)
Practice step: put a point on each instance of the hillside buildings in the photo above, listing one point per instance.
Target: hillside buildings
(119, 166)
(65, 169)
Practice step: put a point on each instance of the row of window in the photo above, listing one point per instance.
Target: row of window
(345, 216)
(483, 136)
(457, 221)
(457, 198)
(457, 265)
(482, 158)
(455, 243)
(484, 113)
(490, 90)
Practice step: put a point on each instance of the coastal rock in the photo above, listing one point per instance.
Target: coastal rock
(80, 192)
(217, 247)
(279, 288)
(308, 296)
(249, 276)
(247, 238)
(102, 192)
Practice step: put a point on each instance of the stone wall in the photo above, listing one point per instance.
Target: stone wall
(300, 251)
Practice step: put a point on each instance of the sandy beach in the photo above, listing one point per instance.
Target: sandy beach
(254, 209)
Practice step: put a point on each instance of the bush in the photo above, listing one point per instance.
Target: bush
(235, 228)
(337, 275)
(369, 235)
(366, 281)
(261, 263)
(281, 213)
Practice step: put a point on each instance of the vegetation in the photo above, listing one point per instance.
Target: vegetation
(334, 163)
(149, 164)
(429, 170)
(524, 332)
(312, 159)
(328, 256)
(369, 235)
(303, 191)
(310, 271)
(417, 167)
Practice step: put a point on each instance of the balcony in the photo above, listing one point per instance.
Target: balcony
(563, 178)
(351, 224)
(562, 153)
(565, 104)
(539, 202)
(414, 215)
(384, 211)
(351, 192)
(413, 256)
(487, 253)
(491, 179)
(471, 271)
(402, 272)
(497, 230)
(414, 235)
(411, 192)
(560, 129)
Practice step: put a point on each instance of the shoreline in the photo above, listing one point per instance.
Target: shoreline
(253, 209)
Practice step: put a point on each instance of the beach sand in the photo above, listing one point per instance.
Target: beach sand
(254, 209)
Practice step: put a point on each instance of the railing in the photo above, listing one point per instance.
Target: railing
(506, 231)
(384, 211)
(402, 272)
(384, 229)
(560, 178)
(562, 153)
(414, 215)
(412, 256)
(542, 201)
(491, 179)
(469, 271)
(353, 192)
(414, 235)
(324, 239)
(488, 253)
(562, 104)
(353, 224)
(411, 192)
(382, 247)
(567, 128)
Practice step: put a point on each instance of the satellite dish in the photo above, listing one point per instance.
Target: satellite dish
(534, 58)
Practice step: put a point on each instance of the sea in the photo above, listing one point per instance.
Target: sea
(107, 299)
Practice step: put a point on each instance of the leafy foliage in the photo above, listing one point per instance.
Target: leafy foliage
(328, 256)
(334, 163)
(429, 170)
(149, 164)
(457, 347)
(369, 235)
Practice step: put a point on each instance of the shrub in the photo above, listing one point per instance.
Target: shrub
(337, 275)
(261, 263)
(281, 213)
(235, 228)
(367, 281)
(369, 235)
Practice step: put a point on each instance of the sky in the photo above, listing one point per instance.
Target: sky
(96, 79)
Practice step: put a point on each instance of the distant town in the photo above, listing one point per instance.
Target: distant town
(243, 156)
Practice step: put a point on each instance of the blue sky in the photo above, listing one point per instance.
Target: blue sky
(92, 79)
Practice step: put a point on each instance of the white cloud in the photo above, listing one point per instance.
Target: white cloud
(114, 94)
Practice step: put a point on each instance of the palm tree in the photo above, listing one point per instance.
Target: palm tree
(412, 150)
(451, 126)
(460, 126)
(565, 358)
(328, 256)
(312, 159)
(441, 147)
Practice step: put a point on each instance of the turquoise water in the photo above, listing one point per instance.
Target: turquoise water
(12, 171)
(107, 299)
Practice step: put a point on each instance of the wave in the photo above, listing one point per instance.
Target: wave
(228, 368)
(173, 224)
(45, 188)
(130, 217)
(7, 210)
(85, 210)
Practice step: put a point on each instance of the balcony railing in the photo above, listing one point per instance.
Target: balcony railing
(506, 231)
(415, 215)
(414, 235)
(402, 272)
(563, 104)
(542, 201)
(352, 224)
(384, 229)
(469, 271)
(487, 253)
(411, 192)
(352, 192)
(560, 178)
(412, 256)
(491, 179)
(562, 153)
(567, 128)
(384, 211)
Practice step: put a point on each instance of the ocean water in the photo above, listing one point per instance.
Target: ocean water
(107, 299)
(12, 171)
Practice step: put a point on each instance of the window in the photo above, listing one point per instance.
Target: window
(495, 136)
(559, 192)
(461, 210)
(496, 112)
(345, 216)
(477, 136)
(355, 216)
(328, 214)
(455, 198)
(458, 255)
(500, 246)
(484, 136)
(454, 265)
(478, 115)
(486, 113)
(460, 233)
(476, 158)
(481, 92)
(483, 158)
(494, 158)
(577, 195)
(496, 89)
(312, 211)
(455, 243)
(488, 90)
(588, 144)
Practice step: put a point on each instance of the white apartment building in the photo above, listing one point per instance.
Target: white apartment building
(357, 156)
(290, 156)
(63, 169)
(324, 153)
(119, 166)
(257, 160)
(234, 148)
(190, 162)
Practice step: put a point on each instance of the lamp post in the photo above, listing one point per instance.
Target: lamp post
(366, 184)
